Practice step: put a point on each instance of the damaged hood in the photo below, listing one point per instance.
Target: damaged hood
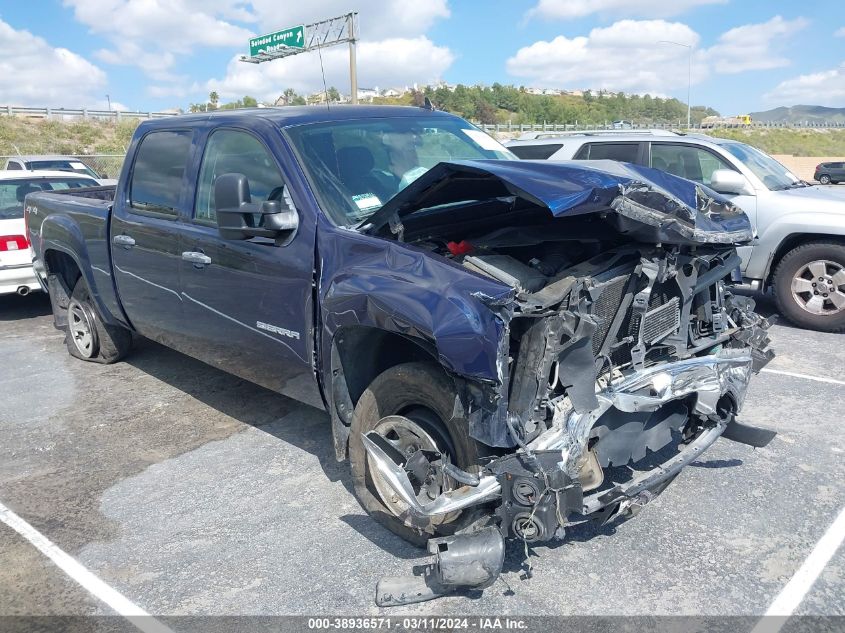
(652, 205)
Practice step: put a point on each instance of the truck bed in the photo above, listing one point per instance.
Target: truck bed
(75, 223)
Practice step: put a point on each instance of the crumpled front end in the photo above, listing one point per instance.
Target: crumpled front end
(624, 352)
(621, 370)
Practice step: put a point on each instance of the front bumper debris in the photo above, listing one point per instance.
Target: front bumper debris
(706, 378)
(537, 488)
(461, 561)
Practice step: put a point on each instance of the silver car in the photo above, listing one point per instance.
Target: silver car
(799, 251)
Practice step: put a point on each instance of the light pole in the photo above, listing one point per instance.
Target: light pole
(109, 100)
(689, 74)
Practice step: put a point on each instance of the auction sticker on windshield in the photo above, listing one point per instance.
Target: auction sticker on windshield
(366, 201)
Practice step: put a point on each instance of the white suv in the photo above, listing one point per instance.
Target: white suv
(800, 246)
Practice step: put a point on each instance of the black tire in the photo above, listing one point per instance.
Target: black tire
(104, 343)
(824, 179)
(789, 267)
(404, 390)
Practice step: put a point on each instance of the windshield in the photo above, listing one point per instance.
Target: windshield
(357, 166)
(13, 192)
(61, 165)
(774, 175)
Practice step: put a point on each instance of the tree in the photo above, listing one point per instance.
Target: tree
(289, 95)
(213, 98)
(333, 94)
(484, 112)
(250, 102)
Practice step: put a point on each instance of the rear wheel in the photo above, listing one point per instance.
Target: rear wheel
(87, 337)
(824, 179)
(412, 406)
(809, 285)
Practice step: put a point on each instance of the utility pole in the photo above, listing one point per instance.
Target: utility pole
(689, 76)
(108, 98)
(353, 64)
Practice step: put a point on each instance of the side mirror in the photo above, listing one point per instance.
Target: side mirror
(238, 218)
(729, 181)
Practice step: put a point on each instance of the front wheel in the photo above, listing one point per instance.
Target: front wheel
(412, 406)
(824, 179)
(87, 337)
(809, 285)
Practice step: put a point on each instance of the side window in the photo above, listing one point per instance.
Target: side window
(13, 165)
(624, 152)
(158, 172)
(692, 163)
(232, 151)
(535, 152)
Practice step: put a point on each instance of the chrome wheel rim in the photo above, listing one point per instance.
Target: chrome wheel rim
(81, 332)
(819, 287)
(408, 437)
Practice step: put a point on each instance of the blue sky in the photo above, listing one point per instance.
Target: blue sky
(747, 55)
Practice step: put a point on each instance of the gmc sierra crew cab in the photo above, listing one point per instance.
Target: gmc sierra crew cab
(505, 348)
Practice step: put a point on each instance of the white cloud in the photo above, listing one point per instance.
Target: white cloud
(822, 88)
(624, 56)
(385, 63)
(377, 19)
(155, 36)
(34, 73)
(568, 9)
(104, 104)
(840, 32)
(150, 34)
(754, 46)
(631, 55)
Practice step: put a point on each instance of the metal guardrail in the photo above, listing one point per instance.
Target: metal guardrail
(85, 113)
(578, 127)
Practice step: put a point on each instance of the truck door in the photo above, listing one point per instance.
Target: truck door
(145, 248)
(248, 303)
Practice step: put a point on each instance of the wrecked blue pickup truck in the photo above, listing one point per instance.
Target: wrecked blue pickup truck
(506, 348)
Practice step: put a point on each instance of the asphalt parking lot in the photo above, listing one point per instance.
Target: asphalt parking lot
(193, 492)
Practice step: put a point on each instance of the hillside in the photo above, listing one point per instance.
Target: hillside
(503, 104)
(798, 142)
(37, 136)
(40, 136)
(801, 114)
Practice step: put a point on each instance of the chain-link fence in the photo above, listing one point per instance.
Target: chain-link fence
(104, 165)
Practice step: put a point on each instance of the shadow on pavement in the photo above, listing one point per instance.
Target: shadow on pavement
(244, 401)
(14, 307)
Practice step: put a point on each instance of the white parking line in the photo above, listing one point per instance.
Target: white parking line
(88, 581)
(796, 589)
(793, 374)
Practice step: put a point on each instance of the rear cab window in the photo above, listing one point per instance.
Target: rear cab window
(13, 192)
(535, 152)
(156, 185)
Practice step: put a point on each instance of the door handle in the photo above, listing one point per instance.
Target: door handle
(123, 240)
(198, 259)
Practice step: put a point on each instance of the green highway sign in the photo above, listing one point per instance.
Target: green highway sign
(293, 37)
